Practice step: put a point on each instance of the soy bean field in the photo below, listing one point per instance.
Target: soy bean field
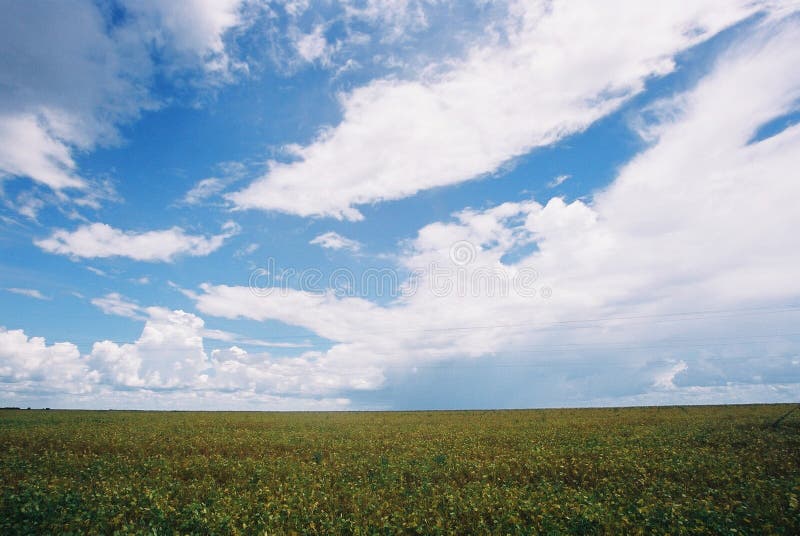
(654, 470)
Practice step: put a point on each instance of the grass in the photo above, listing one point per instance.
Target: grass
(694, 470)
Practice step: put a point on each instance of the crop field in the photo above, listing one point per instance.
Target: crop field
(693, 470)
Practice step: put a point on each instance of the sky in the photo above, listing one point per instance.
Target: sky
(398, 204)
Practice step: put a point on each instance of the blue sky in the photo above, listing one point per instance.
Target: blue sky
(398, 204)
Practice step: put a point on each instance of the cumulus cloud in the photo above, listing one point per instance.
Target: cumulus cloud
(562, 67)
(94, 72)
(166, 368)
(168, 354)
(60, 93)
(28, 150)
(674, 277)
(99, 240)
(29, 363)
(116, 304)
(683, 227)
(333, 240)
(305, 375)
(191, 31)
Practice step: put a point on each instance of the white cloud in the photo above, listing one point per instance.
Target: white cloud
(563, 67)
(64, 92)
(700, 220)
(70, 91)
(271, 344)
(203, 190)
(296, 7)
(227, 336)
(227, 173)
(30, 292)
(29, 364)
(27, 203)
(28, 150)
(558, 181)
(333, 240)
(100, 240)
(247, 250)
(166, 367)
(169, 356)
(395, 17)
(191, 30)
(733, 393)
(387, 26)
(184, 400)
(116, 304)
(312, 46)
(305, 375)
(97, 271)
(666, 378)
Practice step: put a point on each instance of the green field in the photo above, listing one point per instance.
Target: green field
(722, 469)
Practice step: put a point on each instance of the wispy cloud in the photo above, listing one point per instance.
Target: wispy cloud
(558, 181)
(313, 46)
(29, 292)
(203, 190)
(117, 304)
(206, 189)
(97, 271)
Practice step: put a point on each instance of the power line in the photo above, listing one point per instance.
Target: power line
(725, 312)
(554, 324)
(576, 323)
(542, 364)
(699, 342)
(600, 347)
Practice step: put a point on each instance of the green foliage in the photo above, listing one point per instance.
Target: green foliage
(696, 470)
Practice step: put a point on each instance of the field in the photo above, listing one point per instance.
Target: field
(721, 469)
